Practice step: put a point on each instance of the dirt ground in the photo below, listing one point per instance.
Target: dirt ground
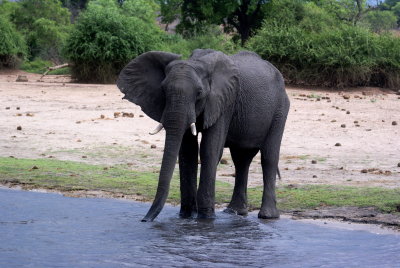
(91, 123)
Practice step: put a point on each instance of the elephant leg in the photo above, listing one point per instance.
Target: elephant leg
(211, 148)
(269, 162)
(188, 162)
(242, 159)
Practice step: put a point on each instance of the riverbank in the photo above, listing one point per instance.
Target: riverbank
(336, 146)
(354, 204)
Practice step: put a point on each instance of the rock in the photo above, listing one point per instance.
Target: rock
(141, 115)
(35, 167)
(153, 146)
(78, 140)
(348, 112)
(18, 108)
(355, 122)
(338, 144)
(18, 114)
(394, 123)
(19, 128)
(314, 176)
(398, 92)
(78, 122)
(29, 114)
(346, 97)
(84, 156)
(364, 171)
(7, 108)
(117, 114)
(313, 161)
(224, 161)
(368, 129)
(22, 78)
(343, 125)
(333, 121)
(130, 115)
(102, 116)
(357, 125)
(398, 164)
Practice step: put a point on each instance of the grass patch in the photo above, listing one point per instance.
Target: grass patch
(68, 175)
(40, 66)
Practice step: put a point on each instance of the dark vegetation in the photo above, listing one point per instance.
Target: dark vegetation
(335, 43)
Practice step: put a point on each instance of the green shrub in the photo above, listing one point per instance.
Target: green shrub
(104, 39)
(339, 57)
(212, 39)
(37, 66)
(12, 45)
(45, 25)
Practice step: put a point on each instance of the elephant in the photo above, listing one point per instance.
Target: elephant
(236, 101)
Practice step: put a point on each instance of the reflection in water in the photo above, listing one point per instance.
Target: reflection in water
(47, 230)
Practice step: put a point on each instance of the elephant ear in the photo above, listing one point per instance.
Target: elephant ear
(224, 86)
(140, 81)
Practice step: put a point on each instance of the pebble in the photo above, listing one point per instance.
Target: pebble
(343, 125)
(398, 164)
(224, 161)
(84, 156)
(35, 167)
(7, 108)
(348, 112)
(18, 108)
(333, 121)
(356, 122)
(346, 97)
(19, 128)
(338, 144)
(153, 146)
(102, 116)
(141, 115)
(364, 171)
(394, 123)
(314, 176)
(313, 161)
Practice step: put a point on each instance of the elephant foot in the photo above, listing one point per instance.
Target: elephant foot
(206, 213)
(269, 213)
(236, 211)
(186, 213)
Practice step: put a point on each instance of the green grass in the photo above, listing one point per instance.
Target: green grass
(68, 175)
(40, 66)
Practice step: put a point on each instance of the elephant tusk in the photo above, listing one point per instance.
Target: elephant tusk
(157, 129)
(193, 129)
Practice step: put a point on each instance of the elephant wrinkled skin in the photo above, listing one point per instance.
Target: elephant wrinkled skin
(235, 101)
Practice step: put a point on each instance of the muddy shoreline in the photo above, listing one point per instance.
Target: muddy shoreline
(350, 214)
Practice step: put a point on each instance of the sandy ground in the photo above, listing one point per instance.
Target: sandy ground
(80, 122)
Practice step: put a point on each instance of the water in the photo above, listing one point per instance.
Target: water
(50, 230)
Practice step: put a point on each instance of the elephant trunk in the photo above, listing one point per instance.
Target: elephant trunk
(172, 146)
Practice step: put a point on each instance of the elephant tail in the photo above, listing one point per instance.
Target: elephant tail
(279, 174)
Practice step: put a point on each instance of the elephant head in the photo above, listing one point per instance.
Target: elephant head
(175, 93)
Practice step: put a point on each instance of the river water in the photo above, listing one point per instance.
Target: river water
(50, 230)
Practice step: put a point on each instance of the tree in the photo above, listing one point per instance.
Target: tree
(380, 21)
(40, 20)
(170, 11)
(12, 44)
(242, 16)
(106, 36)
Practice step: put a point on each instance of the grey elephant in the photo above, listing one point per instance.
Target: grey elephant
(235, 101)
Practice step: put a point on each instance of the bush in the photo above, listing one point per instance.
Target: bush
(45, 25)
(341, 57)
(105, 39)
(213, 39)
(12, 45)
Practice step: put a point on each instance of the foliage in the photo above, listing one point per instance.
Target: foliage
(380, 21)
(120, 179)
(242, 17)
(45, 25)
(12, 45)
(105, 37)
(39, 66)
(341, 57)
(212, 38)
(170, 11)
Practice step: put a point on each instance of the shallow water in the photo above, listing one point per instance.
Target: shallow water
(50, 230)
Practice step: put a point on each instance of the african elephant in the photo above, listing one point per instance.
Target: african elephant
(235, 101)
